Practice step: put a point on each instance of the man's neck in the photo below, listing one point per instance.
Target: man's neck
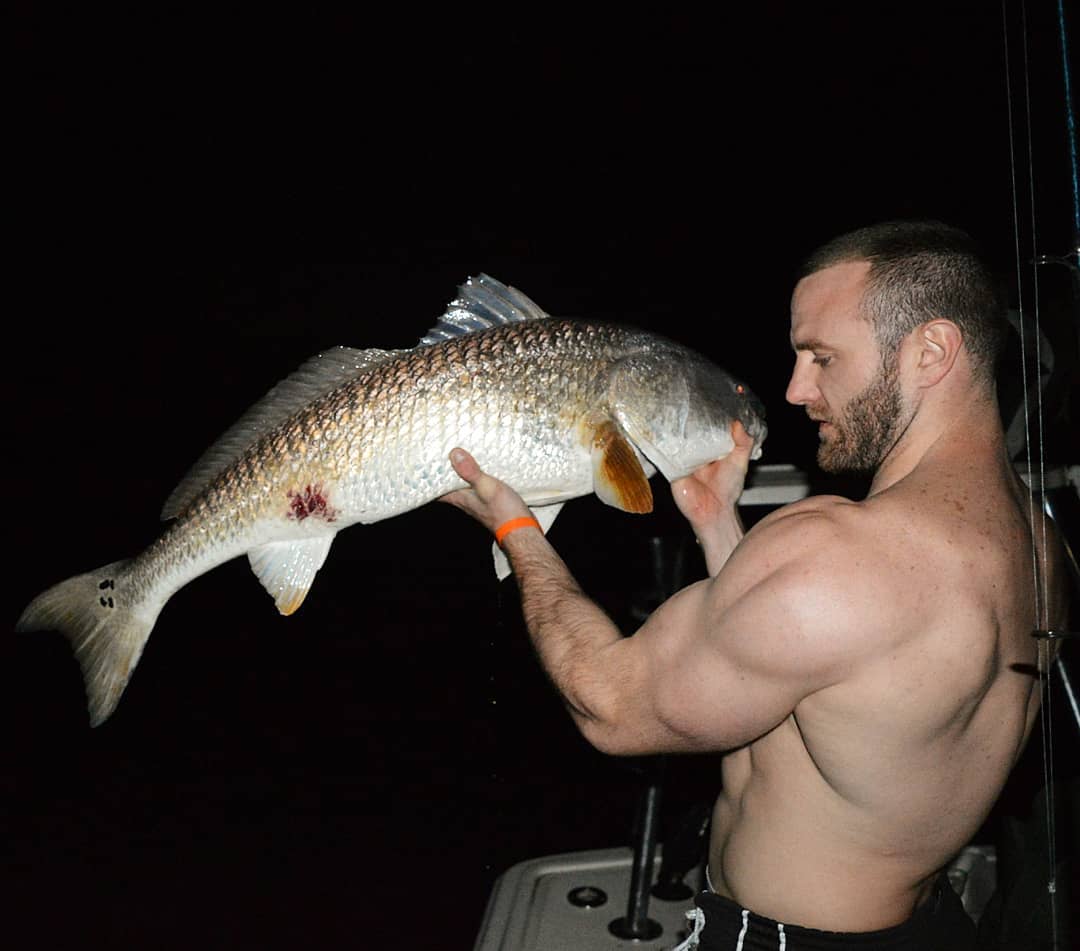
(957, 435)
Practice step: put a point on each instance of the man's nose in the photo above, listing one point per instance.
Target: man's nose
(801, 389)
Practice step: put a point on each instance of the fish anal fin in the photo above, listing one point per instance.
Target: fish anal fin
(618, 477)
(287, 569)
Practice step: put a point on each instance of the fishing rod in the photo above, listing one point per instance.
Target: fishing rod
(1050, 641)
(1070, 134)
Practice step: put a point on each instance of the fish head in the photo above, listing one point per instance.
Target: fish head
(678, 409)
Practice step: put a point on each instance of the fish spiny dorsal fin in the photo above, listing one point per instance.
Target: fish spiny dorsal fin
(482, 302)
(320, 375)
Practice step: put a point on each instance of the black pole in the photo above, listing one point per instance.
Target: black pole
(666, 556)
(637, 925)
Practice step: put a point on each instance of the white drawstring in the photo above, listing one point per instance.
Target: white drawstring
(745, 926)
(697, 916)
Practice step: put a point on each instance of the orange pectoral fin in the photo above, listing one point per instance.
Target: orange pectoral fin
(618, 478)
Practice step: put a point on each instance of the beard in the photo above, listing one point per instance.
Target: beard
(867, 427)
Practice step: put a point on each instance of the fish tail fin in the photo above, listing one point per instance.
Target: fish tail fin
(107, 625)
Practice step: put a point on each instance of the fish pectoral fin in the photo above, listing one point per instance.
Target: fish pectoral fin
(287, 569)
(618, 476)
(545, 515)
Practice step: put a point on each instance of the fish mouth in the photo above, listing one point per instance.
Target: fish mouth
(758, 431)
(755, 428)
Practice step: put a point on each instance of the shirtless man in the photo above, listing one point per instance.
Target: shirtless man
(866, 665)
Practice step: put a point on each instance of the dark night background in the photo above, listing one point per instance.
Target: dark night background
(198, 201)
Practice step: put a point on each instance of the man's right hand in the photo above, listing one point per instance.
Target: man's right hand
(488, 500)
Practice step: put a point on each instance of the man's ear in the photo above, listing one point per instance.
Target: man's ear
(936, 345)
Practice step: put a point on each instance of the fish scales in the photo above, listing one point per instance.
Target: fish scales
(369, 471)
(556, 408)
(465, 393)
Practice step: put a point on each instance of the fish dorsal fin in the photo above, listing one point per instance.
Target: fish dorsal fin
(482, 302)
(320, 375)
(287, 569)
(618, 476)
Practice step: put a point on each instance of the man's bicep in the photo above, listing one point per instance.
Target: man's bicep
(716, 689)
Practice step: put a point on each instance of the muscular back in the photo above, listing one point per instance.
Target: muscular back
(839, 816)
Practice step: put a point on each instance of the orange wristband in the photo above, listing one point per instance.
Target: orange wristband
(513, 525)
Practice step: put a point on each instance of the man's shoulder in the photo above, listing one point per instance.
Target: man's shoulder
(794, 547)
(831, 562)
(813, 524)
(872, 530)
(824, 506)
(807, 583)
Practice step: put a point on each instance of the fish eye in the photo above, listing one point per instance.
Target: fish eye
(739, 388)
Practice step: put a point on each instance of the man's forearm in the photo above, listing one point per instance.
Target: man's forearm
(718, 540)
(569, 632)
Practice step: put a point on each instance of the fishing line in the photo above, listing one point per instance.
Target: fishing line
(1041, 612)
(1040, 585)
(1070, 120)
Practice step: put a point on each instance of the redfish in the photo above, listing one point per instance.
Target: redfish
(556, 408)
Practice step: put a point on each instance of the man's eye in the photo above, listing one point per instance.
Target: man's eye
(822, 361)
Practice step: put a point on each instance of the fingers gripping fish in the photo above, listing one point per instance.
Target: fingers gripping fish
(555, 408)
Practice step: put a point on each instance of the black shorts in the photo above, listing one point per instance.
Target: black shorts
(938, 924)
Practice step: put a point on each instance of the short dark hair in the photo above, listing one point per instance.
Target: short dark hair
(921, 270)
